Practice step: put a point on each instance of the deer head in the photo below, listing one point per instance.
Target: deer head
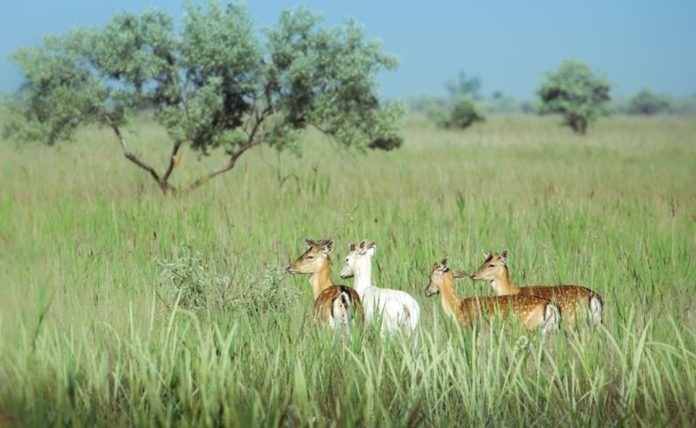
(358, 257)
(314, 258)
(493, 268)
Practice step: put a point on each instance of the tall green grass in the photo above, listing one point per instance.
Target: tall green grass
(96, 329)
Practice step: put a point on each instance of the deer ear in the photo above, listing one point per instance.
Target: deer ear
(309, 242)
(443, 265)
(328, 246)
(504, 256)
(461, 274)
(371, 248)
(351, 246)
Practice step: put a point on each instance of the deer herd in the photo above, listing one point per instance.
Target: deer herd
(535, 308)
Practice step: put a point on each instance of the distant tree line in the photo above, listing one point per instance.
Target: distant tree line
(645, 103)
(573, 91)
(499, 103)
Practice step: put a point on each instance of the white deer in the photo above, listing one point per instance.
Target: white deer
(397, 308)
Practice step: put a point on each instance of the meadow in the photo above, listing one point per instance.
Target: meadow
(124, 307)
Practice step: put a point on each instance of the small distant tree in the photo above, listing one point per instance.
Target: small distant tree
(463, 113)
(213, 84)
(462, 85)
(576, 93)
(647, 103)
(462, 109)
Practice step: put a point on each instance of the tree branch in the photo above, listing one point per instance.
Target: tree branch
(162, 182)
(173, 161)
(251, 142)
(228, 166)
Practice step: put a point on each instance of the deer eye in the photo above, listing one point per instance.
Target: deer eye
(491, 266)
(310, 257)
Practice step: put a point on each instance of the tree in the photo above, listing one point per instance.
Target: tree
(647, 103)
(575, 92)
(461, 110)
(463, 86)
(463, 113)
(216, 84)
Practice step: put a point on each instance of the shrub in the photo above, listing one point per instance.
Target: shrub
(464, 113)
(195, 286)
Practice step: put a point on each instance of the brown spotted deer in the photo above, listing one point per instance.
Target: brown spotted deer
(337, 305)
(533, 313)
(396, 309)
(573, 300)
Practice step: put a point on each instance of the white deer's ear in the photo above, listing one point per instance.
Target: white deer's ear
(371, 251)
(371, 247)
(351, 246)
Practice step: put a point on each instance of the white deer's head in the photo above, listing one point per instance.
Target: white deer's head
(358, 259)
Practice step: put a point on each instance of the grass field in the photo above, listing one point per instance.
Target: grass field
(93, 258)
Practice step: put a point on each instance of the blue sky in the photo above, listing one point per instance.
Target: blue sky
(509, 45)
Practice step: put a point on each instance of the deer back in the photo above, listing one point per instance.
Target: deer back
(324, 302)
(571, 299)
(528, 310)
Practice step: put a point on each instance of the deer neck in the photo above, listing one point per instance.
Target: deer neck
(503, 286)
(449, 298)
(363, 276)
(321, 279)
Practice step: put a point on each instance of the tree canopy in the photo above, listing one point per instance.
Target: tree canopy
(575, 92)
(213, 82)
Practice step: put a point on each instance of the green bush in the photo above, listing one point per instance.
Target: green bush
(192, 284)
(464, 113)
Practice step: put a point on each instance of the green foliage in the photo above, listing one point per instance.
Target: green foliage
(189, 278)
(58, 90)
(575, 92)
(387, 143)
(461, 110)
(647, 103)
(215, 83)
(324, 77)
(192, 283)
(463, 113)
